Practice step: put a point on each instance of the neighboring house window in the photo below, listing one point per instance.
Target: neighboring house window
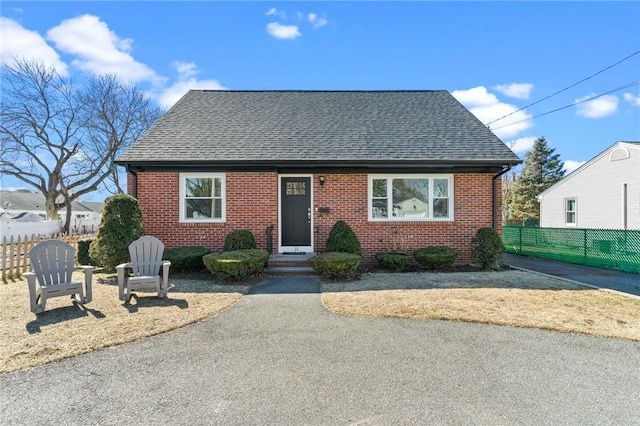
(570, 211)
(202, 197)
(410, 197)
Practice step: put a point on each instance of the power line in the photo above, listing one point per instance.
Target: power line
(570, 105)
(565, 89)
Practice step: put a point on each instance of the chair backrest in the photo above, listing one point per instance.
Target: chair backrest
(146, 255)
(52, 261)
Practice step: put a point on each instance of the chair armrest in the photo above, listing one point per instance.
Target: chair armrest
(88, 281)
(165, 278)
(33, 290)
(31, 279)
(124, 265)
(121, 279)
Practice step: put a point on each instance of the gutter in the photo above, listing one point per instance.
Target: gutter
(493, 194)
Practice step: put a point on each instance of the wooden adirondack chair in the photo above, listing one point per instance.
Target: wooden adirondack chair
(146, 260)
(53, 265)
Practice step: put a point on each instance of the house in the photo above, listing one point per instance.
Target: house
(288, 164)
(18, 206)
(603, 193)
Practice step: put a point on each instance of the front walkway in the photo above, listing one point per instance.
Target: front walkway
(599, 277)
(278, 357)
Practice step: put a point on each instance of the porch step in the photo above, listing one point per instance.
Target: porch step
(289, 264)
(290, 270)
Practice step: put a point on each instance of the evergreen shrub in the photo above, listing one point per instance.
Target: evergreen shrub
(121, 225)
(393, 260)
(487, 248)
(83, 252)
(436, 257)
(236, 265)
(336, 265)
(342, 239)
(186, 259)
(240, 239)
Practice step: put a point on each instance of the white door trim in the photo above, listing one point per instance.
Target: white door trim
(296, 249)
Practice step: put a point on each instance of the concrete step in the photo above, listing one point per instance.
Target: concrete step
(289, 260)
(289, 270)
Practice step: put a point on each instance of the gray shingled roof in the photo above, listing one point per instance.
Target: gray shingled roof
(26, 200)
(313, 126)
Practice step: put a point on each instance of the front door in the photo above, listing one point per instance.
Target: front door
(295, 214)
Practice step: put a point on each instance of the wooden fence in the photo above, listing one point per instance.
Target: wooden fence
(14, 253)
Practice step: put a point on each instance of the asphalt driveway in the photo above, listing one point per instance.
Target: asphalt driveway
(278, 357)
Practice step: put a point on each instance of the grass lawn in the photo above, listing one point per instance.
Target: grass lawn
(512, 298)
(66, 329)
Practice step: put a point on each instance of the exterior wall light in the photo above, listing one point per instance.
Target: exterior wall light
(321, 181)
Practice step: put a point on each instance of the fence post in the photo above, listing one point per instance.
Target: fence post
(585, 246)
(520, 232)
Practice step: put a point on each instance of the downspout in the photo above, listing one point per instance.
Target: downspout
(493, 195)
(134, 184)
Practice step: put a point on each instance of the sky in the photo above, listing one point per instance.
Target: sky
(566, 71)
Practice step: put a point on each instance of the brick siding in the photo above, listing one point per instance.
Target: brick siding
(252, 203)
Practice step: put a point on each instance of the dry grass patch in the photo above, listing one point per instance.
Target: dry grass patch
(513, 298)
(66, 329)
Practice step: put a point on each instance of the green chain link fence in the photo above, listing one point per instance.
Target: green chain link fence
(604, 248)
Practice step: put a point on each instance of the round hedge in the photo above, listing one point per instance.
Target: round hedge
(436, 257)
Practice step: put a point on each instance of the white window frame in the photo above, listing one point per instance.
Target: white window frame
(574, 211)
(223, 193)
(391, 218)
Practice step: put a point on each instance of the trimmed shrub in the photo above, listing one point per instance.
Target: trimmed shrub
(240, 239)
(342, 239)
(186, 259)
(336, 265)
(487, 248)
(121, 225)
(236, 265)
(393, 260)
(436, 258)
(83, 252)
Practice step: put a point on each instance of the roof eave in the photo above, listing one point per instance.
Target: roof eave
(323, 166)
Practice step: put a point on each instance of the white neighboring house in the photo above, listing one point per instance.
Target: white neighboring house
(603, 193)
(22, 212)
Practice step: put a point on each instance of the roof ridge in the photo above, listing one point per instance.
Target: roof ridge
(319, 90)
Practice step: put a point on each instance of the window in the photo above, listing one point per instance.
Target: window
(410, 197)
(570, 211)
(202, 197)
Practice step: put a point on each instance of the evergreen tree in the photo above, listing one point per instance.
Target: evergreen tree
(542, 168)
(121, 225)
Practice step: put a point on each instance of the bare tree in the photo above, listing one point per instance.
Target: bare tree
(62, 138)
(118, 114)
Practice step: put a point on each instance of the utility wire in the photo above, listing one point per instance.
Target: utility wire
(566, 88)
(570, 105)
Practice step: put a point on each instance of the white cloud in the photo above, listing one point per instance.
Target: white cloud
(571, 165)
(597, 108)
(283, 31)
(516, 90)
(21, 43)
(186, 81)
(275, 12)
(99, 50)
(487, 107)
(632, 99)
(316, 21)
(521, 145)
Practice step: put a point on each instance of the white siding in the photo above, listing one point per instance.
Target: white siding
(598, 189)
